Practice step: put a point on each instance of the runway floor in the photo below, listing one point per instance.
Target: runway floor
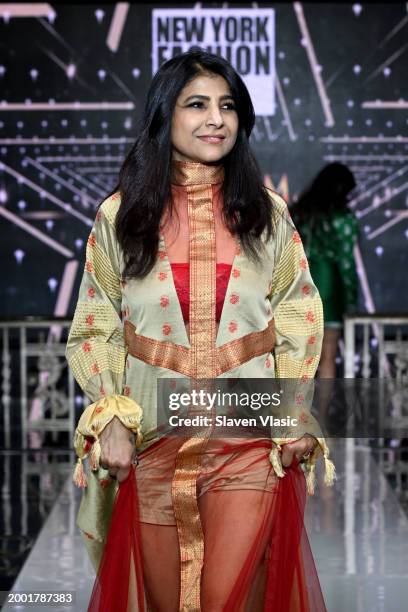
(358, 532)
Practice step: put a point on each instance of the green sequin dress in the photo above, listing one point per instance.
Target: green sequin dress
(329, 243)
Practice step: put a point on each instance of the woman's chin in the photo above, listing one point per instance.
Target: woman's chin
(202, 156)
(207, 157)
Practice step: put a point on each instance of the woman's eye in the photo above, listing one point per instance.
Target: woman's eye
(230, 105)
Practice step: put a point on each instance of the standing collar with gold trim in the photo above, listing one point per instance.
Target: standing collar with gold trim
(196, 173)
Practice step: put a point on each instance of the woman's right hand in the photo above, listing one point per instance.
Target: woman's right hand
(117, 449)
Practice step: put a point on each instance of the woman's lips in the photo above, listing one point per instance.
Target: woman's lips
(212, 139)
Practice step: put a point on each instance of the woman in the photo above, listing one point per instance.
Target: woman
(195, 271)
(329, 232)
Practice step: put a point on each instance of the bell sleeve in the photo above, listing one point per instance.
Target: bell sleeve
(96, 351)
(298, 315)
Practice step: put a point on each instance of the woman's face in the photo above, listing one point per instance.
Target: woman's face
(204, 108)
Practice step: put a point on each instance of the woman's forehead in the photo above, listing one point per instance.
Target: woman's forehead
(206, 84)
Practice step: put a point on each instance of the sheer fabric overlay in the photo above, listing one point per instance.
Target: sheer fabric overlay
(257, 555)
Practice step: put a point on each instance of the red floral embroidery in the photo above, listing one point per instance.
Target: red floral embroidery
(89, 266)
(300, 398)
(162, 276)
(105, 482)
(310, 317)
(233, 326)
(126, 391)
(311, 340)
(90, 320)
(166, 329)
(91, 292)
(236, 273)
(86, 347)
(268, 362)
(306, 289)
(303, 263)
(91, 240)
(234, 299)
(162, 255)
(164, 301)
(98, 409)
(98, 215)
(304, 378)
(115, 196)
(309, 360)
(95, 368)
(102, 390)
(303, 417)
(296, 238)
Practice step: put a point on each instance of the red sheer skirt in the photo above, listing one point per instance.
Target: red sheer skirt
(208, 526)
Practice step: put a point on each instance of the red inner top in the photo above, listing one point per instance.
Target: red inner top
(181, 275)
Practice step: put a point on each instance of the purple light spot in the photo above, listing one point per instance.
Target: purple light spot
(19, 255)
(52, 284)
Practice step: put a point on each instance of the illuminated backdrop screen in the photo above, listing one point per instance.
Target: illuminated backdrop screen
(328, 83)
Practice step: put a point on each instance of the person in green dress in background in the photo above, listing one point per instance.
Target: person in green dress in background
(329, 231)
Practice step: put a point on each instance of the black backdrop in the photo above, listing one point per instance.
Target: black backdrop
(333, 62)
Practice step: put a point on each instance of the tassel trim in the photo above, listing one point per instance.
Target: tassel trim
(92, 451)
(329, 467)
(276, 461)
(330, 471)
(95, 455)
(79, 476)
(311, 474)
(309, 466)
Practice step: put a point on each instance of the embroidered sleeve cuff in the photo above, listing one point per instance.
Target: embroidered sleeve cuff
(309, 465)
(93, 421)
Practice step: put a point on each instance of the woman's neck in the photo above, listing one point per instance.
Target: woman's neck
(196, 173)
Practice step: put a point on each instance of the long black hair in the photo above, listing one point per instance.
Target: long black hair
(145, 177)
(327, 193)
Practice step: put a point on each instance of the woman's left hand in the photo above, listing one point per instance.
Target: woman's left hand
(299, 448)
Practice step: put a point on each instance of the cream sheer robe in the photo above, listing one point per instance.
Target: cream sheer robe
(255, 555)
(163, 578)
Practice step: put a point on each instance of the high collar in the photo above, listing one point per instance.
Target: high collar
(195, 173)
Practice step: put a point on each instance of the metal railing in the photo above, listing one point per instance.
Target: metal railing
(392, 353)
(375, 346)
(35, 375)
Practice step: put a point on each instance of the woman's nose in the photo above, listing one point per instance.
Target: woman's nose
(214, 116)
